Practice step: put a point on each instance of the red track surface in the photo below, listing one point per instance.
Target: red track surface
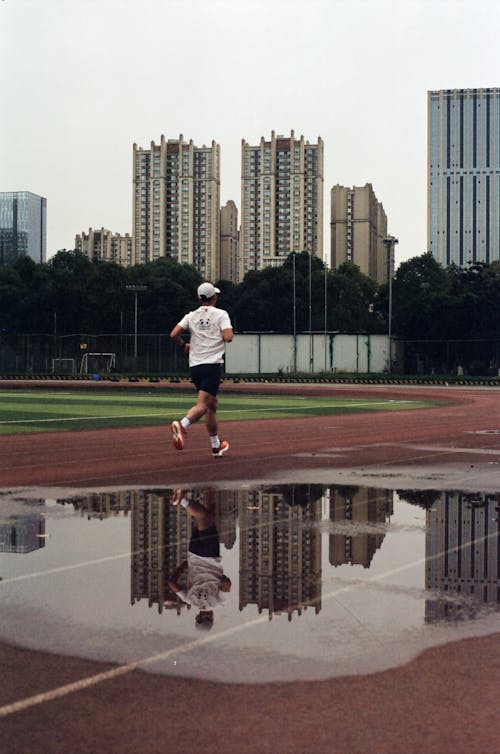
(443, 702)
(145, 455)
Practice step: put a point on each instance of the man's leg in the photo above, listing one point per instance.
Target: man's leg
(205, 404)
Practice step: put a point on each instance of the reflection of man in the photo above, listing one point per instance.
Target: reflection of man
(205, 579)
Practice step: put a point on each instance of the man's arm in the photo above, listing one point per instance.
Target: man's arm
(227, 334)
(174, 581)
(176, 336)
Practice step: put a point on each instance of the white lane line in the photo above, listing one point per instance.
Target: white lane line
(84, 683)
(221, 412)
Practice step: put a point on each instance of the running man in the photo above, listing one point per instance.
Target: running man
(210, 330)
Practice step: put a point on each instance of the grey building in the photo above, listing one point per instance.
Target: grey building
(23, 226)
(463, 175)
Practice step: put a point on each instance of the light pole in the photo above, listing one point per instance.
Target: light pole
(135, 289)
(311, 356)
(294, 318)
(389, 243)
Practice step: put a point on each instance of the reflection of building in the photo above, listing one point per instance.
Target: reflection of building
(227, 517)
(101, 504)
(281, 201)
(103, 245)
(280, 554)
(23, 228)
(463, 175)
(462, 554)
(357, 511)
(22, 534)
(159, 541)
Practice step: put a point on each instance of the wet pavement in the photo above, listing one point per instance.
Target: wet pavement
(326, 580)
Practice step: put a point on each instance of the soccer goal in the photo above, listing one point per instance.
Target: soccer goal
(97, 363)
(63, 366)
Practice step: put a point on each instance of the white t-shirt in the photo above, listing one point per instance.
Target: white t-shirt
(203, 582)
(206, 325)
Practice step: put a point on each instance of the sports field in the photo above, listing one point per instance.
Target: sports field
(51, 410)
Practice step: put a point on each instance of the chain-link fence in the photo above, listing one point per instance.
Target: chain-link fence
(122, 353)
(457, 357)
(126, 353)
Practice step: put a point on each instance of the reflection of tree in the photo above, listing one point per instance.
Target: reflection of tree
(423, 498)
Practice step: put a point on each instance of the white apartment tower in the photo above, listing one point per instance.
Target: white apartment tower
(176, 201)
(358, 226)
(281, 201)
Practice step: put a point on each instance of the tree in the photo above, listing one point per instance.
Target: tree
(420, 300)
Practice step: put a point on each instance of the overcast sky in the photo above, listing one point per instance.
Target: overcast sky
(82, 80)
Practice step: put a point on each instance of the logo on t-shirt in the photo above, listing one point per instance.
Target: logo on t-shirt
(204, 322)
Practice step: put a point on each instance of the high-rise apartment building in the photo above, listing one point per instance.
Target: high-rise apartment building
(103, 245)
(358, 226)
(229, 242)
(23, 226)
(463, 175)
(176, 204)
(281, 201)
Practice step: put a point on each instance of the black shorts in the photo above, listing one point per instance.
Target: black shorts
(207, 377)
(205, 543)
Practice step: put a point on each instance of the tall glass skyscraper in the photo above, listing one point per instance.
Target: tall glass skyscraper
(463, 175)
(23, 226)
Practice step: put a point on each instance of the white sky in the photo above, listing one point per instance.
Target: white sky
(82, 80)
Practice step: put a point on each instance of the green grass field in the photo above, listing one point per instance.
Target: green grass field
(48, 410)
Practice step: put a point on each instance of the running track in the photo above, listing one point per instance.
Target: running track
(465, 431)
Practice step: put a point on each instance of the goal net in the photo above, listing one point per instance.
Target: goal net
(97, 363)
(63, 366)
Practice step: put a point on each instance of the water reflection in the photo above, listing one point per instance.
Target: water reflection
(22, 532)
(462, 552)
(322, 580)
(278, 532)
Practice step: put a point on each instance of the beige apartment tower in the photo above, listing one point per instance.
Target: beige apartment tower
(281, 201)
(103, 245)
(229, 242)
(176, 204)
(358, 226)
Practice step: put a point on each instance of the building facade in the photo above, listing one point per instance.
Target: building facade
(23, 226)
(463, 175)
(103, 245)
(358, 226)
(176, 204)
(229, 242)
(281, 201)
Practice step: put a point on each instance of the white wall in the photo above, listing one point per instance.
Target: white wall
(269, 354)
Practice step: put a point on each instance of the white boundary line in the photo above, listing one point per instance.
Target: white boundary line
(221, 412)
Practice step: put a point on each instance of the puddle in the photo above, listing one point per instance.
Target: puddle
(324, 580)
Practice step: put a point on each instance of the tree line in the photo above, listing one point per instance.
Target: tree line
(71, 294)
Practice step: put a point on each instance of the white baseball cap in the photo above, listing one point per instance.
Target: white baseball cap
(207, 290)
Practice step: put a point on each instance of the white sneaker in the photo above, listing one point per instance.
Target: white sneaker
(178, 434)
(223, 447)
